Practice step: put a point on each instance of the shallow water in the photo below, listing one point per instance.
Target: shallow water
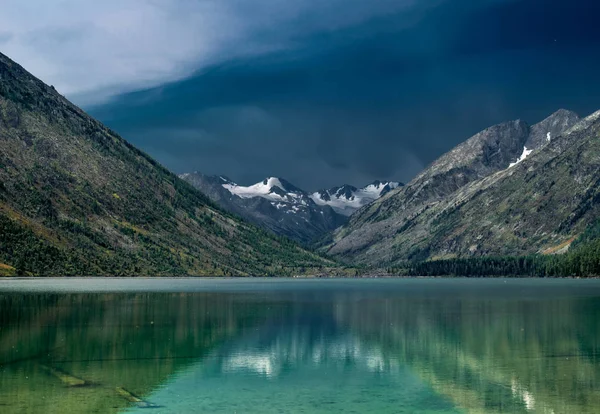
(299, 346)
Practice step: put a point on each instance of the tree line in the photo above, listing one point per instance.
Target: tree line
(582, 261)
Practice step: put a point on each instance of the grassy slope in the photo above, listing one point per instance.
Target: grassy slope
(75, 198)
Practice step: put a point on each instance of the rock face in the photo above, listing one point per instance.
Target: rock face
(77, 199)
(348, 199)
(478, 200)
(487, 152)
(273, 204)
(551, 127)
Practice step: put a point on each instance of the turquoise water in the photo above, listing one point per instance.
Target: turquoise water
(299, 346)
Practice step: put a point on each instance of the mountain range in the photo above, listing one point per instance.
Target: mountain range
(284, 209)
(347, 199)
(77, 199)
(512, 189)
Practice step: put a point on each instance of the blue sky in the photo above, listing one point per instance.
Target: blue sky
(318, 92)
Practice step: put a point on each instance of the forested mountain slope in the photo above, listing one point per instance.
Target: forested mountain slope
(75, 198)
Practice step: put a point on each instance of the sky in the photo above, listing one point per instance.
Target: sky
(318, 92)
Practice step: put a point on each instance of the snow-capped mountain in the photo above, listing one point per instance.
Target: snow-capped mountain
(285, 209)
(273, 203)
(277, 190)
(347, 199)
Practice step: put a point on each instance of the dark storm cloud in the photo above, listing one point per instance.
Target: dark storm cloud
(379, 98)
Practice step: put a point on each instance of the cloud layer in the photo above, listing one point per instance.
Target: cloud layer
(91, 50)
(321, 93)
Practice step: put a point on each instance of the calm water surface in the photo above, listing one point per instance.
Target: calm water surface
(299, 346)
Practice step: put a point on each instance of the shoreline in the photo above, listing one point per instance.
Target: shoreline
(328, 277)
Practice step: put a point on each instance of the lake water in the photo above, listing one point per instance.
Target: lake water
(299, 346)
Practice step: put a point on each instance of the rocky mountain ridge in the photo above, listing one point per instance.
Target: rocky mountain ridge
(477, 200)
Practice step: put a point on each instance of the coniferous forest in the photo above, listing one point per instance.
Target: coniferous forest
(582, 260)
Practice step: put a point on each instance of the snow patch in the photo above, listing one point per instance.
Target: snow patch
(524, 155)
(262, 189)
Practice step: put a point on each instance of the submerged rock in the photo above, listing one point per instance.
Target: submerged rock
(67, 379)
(132, 398)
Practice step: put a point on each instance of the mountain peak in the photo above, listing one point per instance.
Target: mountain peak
(346, 191)
(551, 127)
(346, 199)
(274, 204)
(490, 150)
(272, 182)
(270, 187)
(281, 183)
(379, 186)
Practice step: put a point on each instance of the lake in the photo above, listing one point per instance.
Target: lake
(299, 346)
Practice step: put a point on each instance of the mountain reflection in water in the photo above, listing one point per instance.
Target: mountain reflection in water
(379, 346)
